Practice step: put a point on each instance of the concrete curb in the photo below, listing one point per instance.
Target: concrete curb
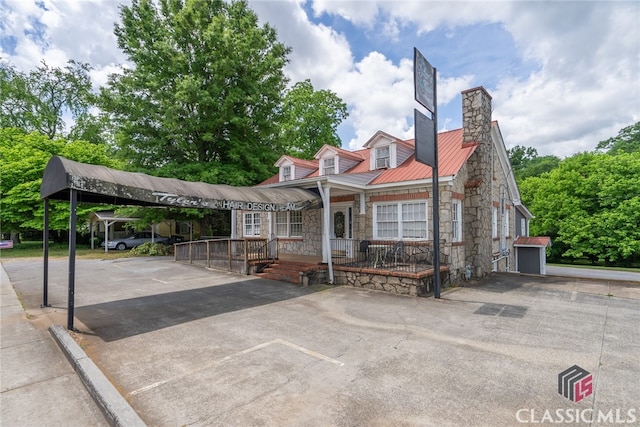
(115, 408)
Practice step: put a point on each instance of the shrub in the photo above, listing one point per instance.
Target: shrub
(151, 249)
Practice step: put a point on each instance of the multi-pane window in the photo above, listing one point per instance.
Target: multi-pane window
(383, 159)
(456, 221)
(387, 221)
(289, 224)
(286, 173)
(401, 221)
(414, 220)
(251, 223)
(505, 226)
(329, 166)
(494, 222)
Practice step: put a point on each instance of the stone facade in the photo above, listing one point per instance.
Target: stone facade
(476, 123)
(483, 185)
(397, 283)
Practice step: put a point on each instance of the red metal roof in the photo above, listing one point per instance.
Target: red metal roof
(542, 241)
(452, 155)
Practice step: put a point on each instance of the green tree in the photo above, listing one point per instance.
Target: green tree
(24, 158)
(311, 119)
(202, 101)
(37, 101)
(526, 163)
(590, 206)
(627, 141)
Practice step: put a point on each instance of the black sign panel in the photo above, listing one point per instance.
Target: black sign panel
(424, 81)
(425, 139)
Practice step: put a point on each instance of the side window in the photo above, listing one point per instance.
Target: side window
(251, 224)
(456, 220)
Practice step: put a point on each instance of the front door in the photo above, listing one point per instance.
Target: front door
(341, 232)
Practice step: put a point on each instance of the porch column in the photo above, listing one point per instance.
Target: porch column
(234, 223)
(325, 193)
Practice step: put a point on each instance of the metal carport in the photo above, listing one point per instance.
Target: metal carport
(76, 182)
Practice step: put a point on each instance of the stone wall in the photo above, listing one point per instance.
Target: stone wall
(309, 244)
(384, 281)
(476, 123)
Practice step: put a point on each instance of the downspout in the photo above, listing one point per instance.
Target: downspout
(326, 245)
(234, 223)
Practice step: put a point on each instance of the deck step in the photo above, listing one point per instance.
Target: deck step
(287, 271)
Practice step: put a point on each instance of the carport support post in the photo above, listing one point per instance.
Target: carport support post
(45, 254)
(72, 257)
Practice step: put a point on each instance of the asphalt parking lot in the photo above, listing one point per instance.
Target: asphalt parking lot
(187, 346)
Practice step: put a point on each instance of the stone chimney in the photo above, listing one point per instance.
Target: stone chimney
(476, 126)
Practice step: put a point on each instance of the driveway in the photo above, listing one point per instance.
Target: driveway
(187, 346)
(591, 273)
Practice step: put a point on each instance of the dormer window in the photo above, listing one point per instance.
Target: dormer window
(383, 157)
(286, 173)
(329, 166)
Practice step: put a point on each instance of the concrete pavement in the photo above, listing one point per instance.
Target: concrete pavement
(592, 273)
(38, 385)
(186, 346)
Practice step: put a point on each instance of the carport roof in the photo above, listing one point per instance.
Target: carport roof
(100, 184)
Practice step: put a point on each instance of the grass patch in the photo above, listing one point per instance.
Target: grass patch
(59, 250)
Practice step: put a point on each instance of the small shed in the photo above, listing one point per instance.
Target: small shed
(531, 256)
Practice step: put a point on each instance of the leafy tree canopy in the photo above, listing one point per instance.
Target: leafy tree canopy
(203, 98)
(590, 206)
(627, 141)
(525, 162)
(24, 158)
(37, 101)
(311, 119)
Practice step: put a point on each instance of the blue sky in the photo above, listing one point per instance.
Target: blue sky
(563, 75)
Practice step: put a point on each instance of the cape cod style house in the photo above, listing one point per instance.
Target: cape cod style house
(377, 203)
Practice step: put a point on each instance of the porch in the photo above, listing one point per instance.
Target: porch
(397, 267)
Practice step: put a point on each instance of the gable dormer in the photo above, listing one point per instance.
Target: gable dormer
(384, 151)
(333, 160)
(290, 168)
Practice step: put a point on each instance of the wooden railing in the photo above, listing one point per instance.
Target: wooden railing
(226, 254)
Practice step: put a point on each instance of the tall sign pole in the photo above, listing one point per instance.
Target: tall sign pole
(426, 144)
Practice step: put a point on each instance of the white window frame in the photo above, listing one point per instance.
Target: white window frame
(383, 161)
(494, 222)
(333, 159)
(251, 222)
(283, 175)
(505, 225)
(397, 217)
(289, 220)
(456, 220)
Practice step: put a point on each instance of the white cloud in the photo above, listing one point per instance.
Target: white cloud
(319, 53)
(588, 87)
(585, 56)
(359, 12)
